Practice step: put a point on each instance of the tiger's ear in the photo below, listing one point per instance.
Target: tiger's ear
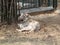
(22, 13)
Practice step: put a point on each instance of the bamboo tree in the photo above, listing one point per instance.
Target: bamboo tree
(1, 10)
(54, 4)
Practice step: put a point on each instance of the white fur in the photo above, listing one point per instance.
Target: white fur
(29, 24)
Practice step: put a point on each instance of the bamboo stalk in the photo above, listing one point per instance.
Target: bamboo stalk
(1, 10)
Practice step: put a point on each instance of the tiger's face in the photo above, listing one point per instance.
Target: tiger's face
(23, 17)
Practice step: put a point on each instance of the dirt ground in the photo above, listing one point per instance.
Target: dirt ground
(49, 33)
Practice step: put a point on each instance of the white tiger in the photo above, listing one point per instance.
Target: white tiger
(27, 24)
